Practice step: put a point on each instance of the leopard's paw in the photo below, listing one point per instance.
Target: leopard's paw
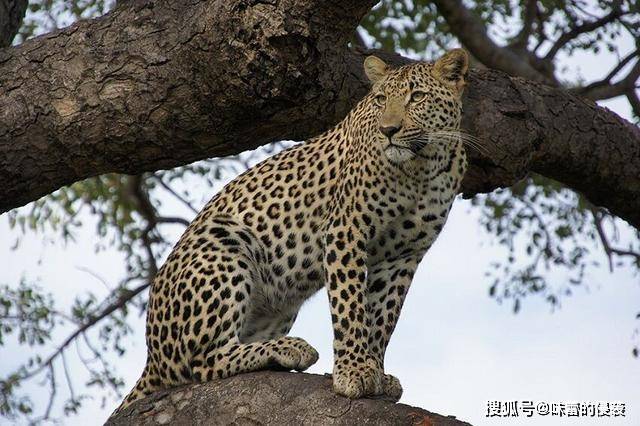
(294, 353)
(359, 381)
(391, 387)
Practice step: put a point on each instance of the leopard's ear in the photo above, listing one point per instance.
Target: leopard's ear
(452, 68)
(375, 68)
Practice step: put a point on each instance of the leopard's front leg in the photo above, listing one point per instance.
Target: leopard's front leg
(388, 284)
(355, 372)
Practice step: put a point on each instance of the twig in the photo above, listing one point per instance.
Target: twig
(597, 220)
(172, 219)
(65, 368)
(587, 27)
(52, 396)
(96, 276)
(608, 249)
(108, 310)
(634, 101)
(175, 194)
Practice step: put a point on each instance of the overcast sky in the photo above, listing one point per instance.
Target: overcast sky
(454, 348)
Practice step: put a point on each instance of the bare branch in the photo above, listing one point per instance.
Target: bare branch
(587, 27)
(175, 194)
(634, 101)
(608, 249)
(97, 357)
(52, 392)
(172, 219)
(125, 296)
(148, 212)
(597, 220)
(623, 63)
(604, 90)
(67, 376)
(96, 276)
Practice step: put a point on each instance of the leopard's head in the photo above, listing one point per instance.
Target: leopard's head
(416, 105)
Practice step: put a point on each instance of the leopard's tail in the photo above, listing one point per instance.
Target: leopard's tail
(148, 383)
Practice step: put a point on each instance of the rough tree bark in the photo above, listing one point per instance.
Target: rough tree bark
(156, 84)
(271, 398)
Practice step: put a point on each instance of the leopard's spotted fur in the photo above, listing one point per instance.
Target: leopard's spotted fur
(352, 210)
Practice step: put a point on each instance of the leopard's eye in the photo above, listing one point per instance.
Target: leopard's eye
(417, 96)
(380, 99)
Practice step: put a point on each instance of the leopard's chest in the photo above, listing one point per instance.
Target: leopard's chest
(409, 224)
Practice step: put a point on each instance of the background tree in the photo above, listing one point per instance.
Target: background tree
(554, 226)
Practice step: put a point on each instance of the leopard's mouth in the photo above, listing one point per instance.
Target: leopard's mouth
(414, 147)
(391, 144)
(398, 154)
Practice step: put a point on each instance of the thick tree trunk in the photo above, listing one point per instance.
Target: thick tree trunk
(271, 398)
(155, 85)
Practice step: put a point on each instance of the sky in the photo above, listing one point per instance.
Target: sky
(454, 348)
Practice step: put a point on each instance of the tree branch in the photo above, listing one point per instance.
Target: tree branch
(176, 195)
(107, 310)
(150, 86)
(557, 135)
(473, 35)
(529, 15)
(605, 90)
(623, 63)
(271, 398)
(587, 27)
(608, 249)
(634, 101)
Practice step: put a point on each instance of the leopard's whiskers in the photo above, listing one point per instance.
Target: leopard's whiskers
(447, 135)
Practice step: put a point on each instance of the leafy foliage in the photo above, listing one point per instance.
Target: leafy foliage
(411, 27)
(46, 15)
(551, 227)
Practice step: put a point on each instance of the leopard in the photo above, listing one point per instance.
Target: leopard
(353, 211)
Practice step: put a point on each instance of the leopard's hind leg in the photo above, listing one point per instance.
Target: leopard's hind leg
(217, 337)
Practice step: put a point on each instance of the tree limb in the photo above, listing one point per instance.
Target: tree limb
(155, 85)
(555, 134)
(271, 398)
(130, 93)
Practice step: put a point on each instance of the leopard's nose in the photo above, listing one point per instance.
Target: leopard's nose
(389, 131)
